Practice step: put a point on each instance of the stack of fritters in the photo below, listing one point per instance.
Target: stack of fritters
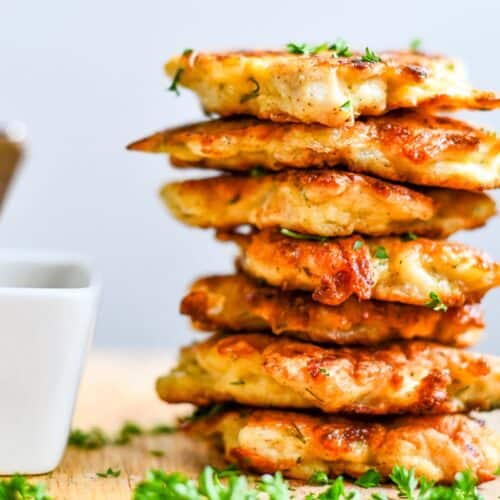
(337, 343)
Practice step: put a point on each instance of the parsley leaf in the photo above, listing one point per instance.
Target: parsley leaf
(257, 172)
(157, 453)
(409, 237)
(91, 440)
(109, 473)
(160, 485)
(415, 44)
(162, 429)
(187, 52)
(128, 430)
(18, 488)
(379, 496)
(381, 253)
(305, 49)
(319, 477)
(237, 382)
(175, 81)
(340, 48)
(347, 106)
(369, 479)
(405, 481)
(436, 304)
(370, 56)
(324, 372)
(274, 486)
(253, 94)
(300, 236)
(357, 244)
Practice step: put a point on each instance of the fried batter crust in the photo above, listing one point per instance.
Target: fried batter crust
(262, 370)
(325, 203)
(299, 444)
(336, 269)
(403, 146)
(238, 303)
(319, 88)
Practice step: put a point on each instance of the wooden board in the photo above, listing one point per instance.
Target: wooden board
(118, 387)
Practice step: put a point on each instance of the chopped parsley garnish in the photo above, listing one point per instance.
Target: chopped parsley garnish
(305, 49)
(128, 430)
(369, 479)
(357, 244)
(175, 81)
(96, 438)
(157, 453)
(237, 382)
(257, 172)
(162, 429)
(91, 440)
(109, 473)
(436, 304)
(253, 94)
(370, 56)
(187, 52)
(298, 433)
(347, 106)
(409, 237)
(299, 236)
(319, 477)
(315, 396)
(161, 485)
(18, 488)
(379, 496)
(381, 253)
(415, 44)
(324, 372)
(340, 48)
(405, 480)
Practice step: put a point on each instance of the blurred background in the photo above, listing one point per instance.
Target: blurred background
(86, 78)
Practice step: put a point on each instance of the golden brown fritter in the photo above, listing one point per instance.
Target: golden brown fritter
(325, 203)
(402, 146)
(319, 88)
(388, 269)
(299, 444)
(239, 303)
(265, 371)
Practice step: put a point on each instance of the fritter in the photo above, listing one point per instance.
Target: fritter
(239, 303)
(403, 146)
(299, 444)
(419, 272)
(262, 370)
(319, 88)
(325, 203)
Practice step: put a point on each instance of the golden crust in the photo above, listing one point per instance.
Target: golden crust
(298, 444)
(403, 146)
(286, 87)
(239, 303)
(325, 203)
(337, 269)
(262, 370)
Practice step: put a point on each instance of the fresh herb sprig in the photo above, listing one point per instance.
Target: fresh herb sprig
(436, 304)
(109, 473)
(19, 488)
(300, 236)
(370, 56)
(96, 438)
(175, 82)
(338, 49)
(160, 485)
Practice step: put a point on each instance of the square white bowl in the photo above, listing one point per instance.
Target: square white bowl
(48, 308)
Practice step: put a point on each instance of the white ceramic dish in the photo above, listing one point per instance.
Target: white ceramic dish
(48, 305)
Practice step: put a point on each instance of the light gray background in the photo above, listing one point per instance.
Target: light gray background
(86, 77)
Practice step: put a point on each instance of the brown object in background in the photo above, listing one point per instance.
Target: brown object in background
(10, 155)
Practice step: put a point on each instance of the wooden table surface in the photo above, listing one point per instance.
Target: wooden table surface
(120, 386)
